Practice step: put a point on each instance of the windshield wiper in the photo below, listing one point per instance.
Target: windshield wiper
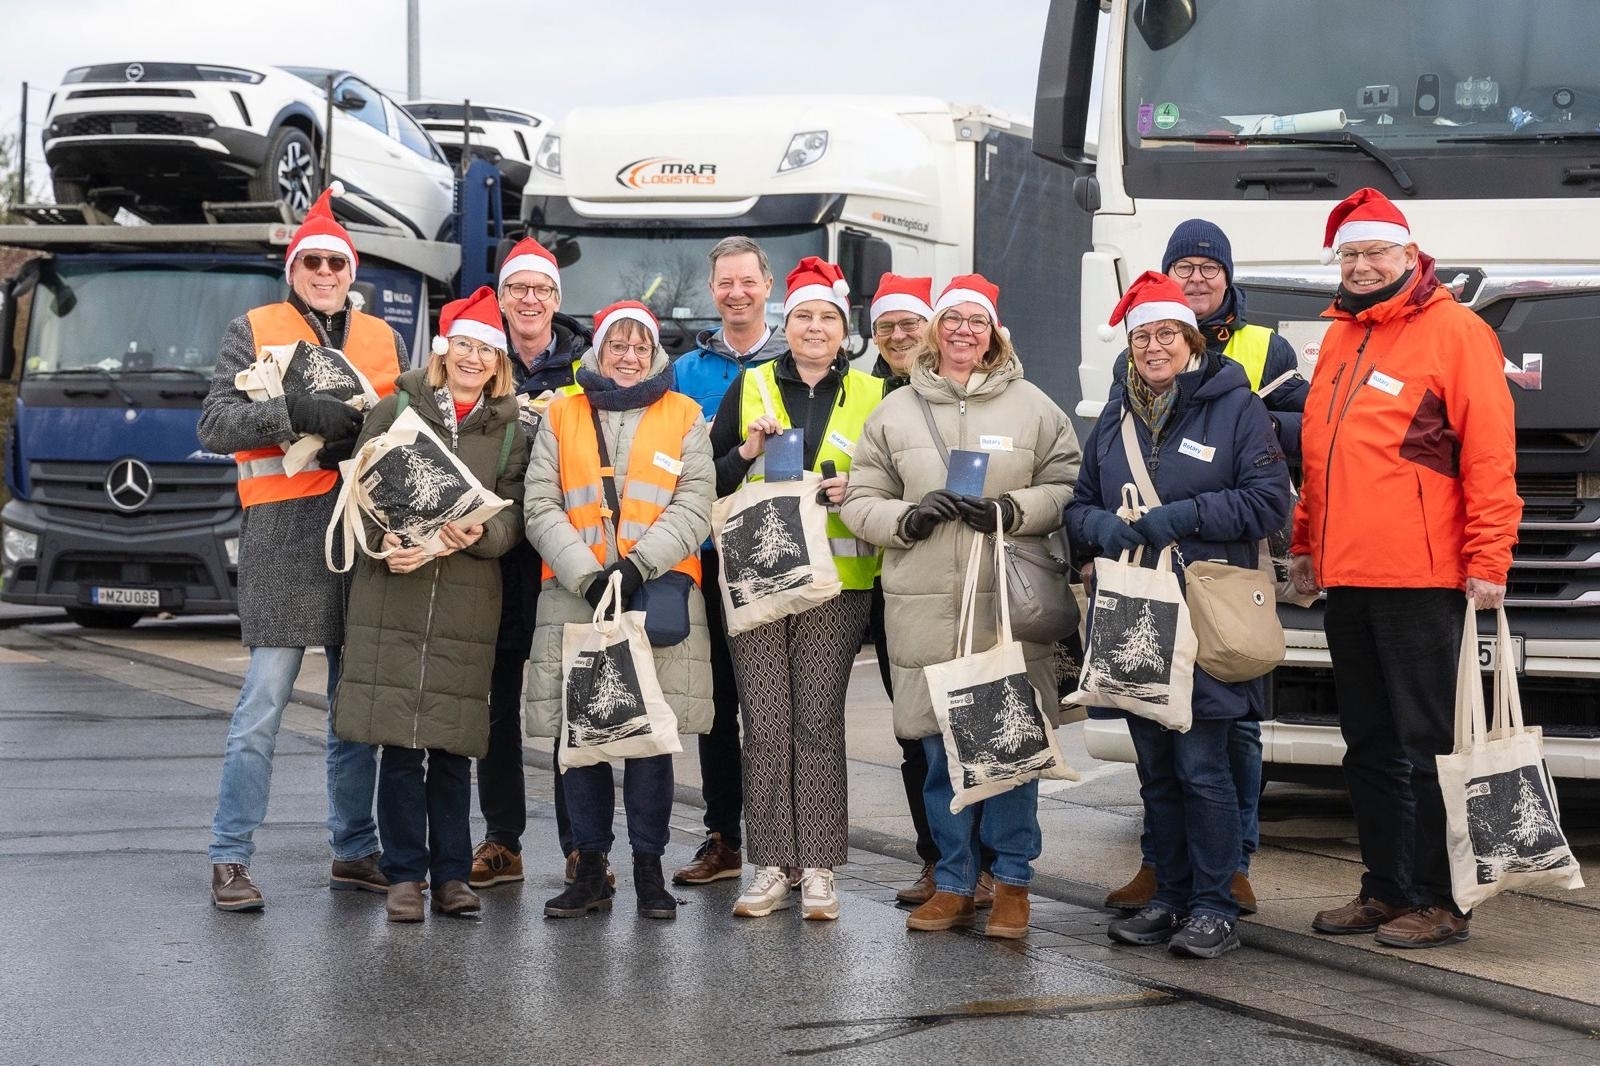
(187, 371)
(1541, 136)
(1343, 138)
(110, 380)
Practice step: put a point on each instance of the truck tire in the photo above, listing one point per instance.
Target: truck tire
(103, 618)
(289, 172)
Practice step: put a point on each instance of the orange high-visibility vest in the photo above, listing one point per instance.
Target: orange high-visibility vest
(654, 464)
(369, 345)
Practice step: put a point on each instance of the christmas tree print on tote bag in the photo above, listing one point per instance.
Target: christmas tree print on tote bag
(416, 489)
(604, 700)
(765, 548)
(322, 370)
(999, 731)
(1130, 647)
(1512, 825)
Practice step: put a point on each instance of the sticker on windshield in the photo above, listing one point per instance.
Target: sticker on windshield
(1147, 114)
(1166, 116)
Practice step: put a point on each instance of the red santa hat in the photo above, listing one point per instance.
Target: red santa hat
(1153, 297)
(972, 289)
(1365, 215)
(632, 310)
(529, 254)
(477, 316)
(896, 292)
(817, 279)
(321, 233)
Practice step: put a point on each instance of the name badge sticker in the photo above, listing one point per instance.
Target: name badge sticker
(842, 442)
(1195, 450)
(1384, 383)
(669, 464)
(991, 442)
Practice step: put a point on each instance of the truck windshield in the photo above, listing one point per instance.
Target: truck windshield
(664, 269)
(139, 320)
(1430, 79)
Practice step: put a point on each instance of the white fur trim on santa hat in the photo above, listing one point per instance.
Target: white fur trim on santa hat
(633, 314)
(478, 331)
(829, 293)
(1106, 331)
(950, 297)
(1366, 230)
(536, 263)
(318, 242)
(900, 301)
(1157, 311)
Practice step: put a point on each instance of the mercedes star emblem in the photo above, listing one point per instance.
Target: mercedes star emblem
(129, 484)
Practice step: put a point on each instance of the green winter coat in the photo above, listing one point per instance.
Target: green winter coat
(419, 647)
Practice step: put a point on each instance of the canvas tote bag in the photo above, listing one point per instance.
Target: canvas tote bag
(996, 733)
(299, 368)
(772, 548)
(611, 701)
(1502, 822)
(1141, 651)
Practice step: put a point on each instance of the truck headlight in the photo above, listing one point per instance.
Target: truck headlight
(19, 546)
(804, 149)
(230, 548)
(548, 157)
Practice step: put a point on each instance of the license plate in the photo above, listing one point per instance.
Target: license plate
(1488, 646)
(117, 597)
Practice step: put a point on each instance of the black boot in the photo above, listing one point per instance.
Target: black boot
(651, 887)
(588, 891)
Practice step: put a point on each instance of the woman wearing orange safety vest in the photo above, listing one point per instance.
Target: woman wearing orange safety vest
(626, 423)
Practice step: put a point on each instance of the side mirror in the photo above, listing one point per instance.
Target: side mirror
(350, 100)
(8, 326)
(864, 259)
(1066, 72)
(1163, 23)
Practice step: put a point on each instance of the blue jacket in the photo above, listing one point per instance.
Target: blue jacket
(706, 370)
(1241, 493)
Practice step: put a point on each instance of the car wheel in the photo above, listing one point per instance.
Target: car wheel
(289, 172)
(101, 618)
(68, 191)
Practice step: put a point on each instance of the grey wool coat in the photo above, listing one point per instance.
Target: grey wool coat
(1033, 461)
(288, 598)
(420, 647)
(684, 670)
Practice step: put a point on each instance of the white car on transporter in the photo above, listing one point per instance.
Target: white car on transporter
(159, 138)
(506, 137)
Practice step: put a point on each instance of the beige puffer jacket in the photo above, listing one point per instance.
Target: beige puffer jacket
(684, 670)
(1033, 460)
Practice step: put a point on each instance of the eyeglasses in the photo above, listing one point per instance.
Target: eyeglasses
(978, 324)
(1185, 271)
(313, 262)
(468, 346)
(1348, 256)
(518, 289)
(1142, 339)
(618, 349)
(908, 326)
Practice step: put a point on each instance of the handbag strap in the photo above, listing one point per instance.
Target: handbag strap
(1000, 583)
(1470, 724)
(611, 597)
(608, 480)
(966, 621)
(933, 429)
(1264, 390)
(1507, 697)
(1141, 473)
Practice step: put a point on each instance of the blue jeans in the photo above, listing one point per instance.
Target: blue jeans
(646, 795)
(1010, 825)
(423, 815)
(1188, 791)
(1244, 759)
(247, 764)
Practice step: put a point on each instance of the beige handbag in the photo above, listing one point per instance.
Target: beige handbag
(1234, 610)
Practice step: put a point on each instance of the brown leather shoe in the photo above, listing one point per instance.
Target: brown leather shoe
(921, 890)
(361, 875)
(572, 870)
(983, 896)
(405, 902)
(232, 889)
(1423, 927)
(1009, 918)
(1136, 894)
(494, 864)
(1361, 915)
(1243, 894)
(715, 861)
(455, 899)
(944, 910)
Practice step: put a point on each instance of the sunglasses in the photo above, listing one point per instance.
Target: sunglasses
(313, 262)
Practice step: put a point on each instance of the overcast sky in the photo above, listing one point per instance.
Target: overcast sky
(551, 57)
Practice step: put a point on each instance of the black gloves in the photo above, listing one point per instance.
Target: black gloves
(1165, 524)
(597, 588)
(332, 454)
(978, 512)
(328, 418)
(940, 505)
(632, 579)
(1112, 534)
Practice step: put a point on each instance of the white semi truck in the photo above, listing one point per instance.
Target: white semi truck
(1482, 121)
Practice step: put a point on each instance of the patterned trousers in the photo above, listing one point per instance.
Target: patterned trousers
(793, 675)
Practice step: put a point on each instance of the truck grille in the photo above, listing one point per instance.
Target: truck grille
(133, 122)
(181, 494)
(1562, 706)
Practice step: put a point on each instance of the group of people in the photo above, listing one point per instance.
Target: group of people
(612, 479)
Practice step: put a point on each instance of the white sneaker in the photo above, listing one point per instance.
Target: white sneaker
(767, 891)
(818, 900)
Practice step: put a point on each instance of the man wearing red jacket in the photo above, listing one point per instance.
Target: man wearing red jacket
(1409, 506)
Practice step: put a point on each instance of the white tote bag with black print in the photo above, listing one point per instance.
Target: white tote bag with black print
(996, 733)
(611, 701)
(1502, 822)
(300, 368)
(1142, 646)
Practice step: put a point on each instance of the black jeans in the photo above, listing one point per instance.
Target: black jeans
(423, 815)
(913, 761)
(721, 768)
(1394, 657)
(646, 796)
(502, 796)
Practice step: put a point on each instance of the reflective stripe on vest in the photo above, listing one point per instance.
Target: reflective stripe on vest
(369, 345)
(858, 561)
(644, 492)
(1248, 347)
